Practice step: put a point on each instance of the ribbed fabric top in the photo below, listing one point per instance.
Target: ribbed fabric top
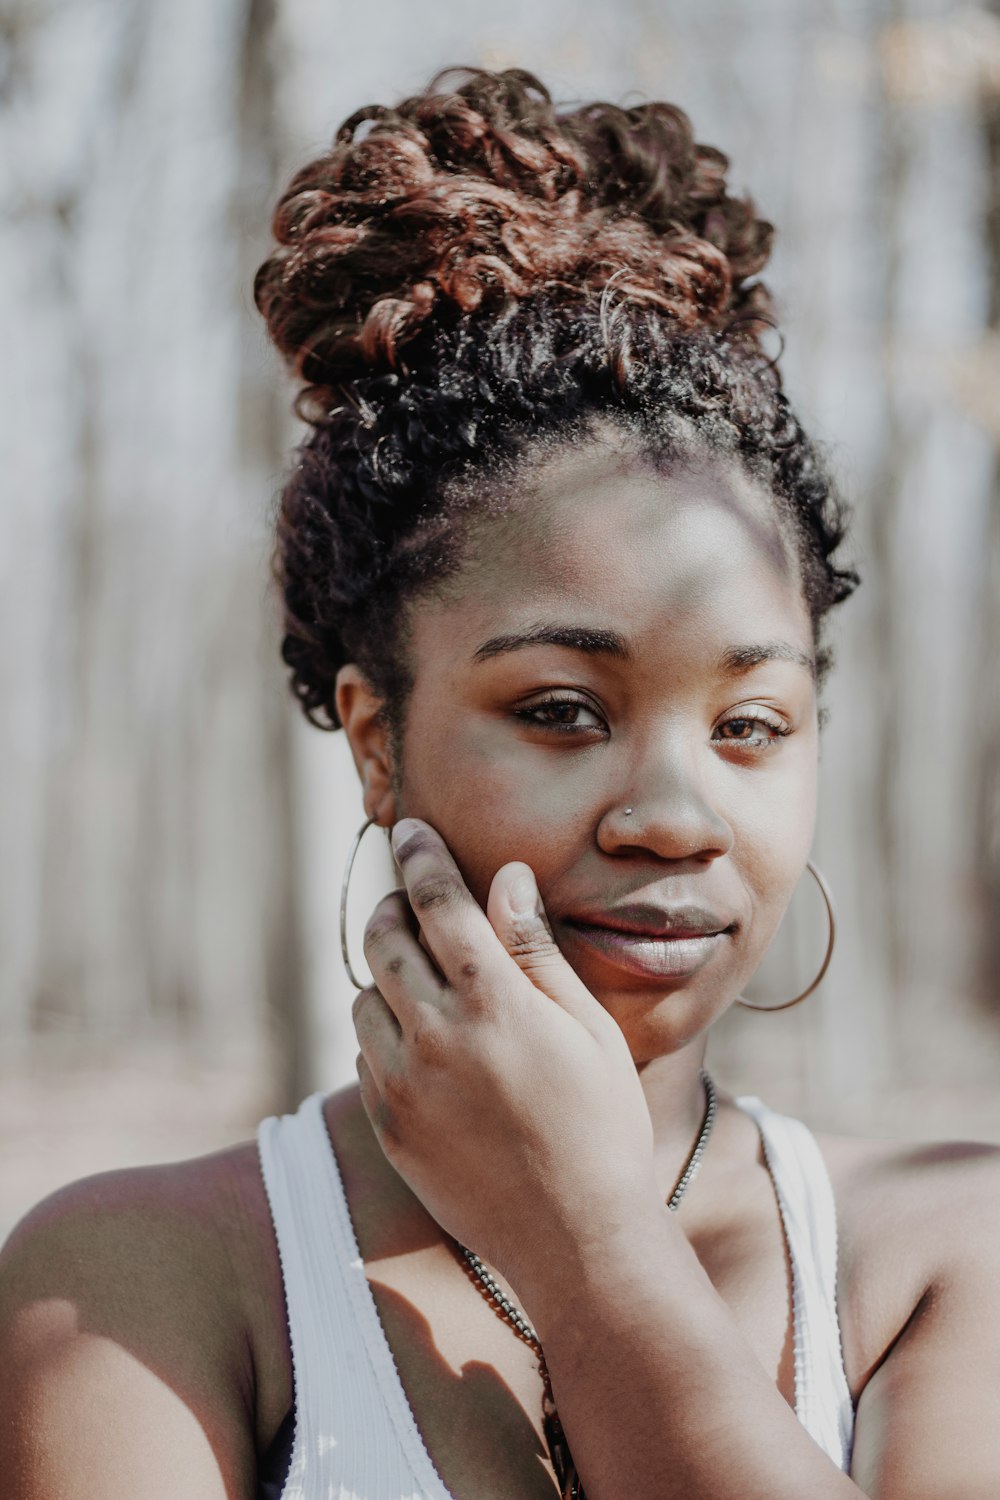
(352, 1434)
(809, 1216)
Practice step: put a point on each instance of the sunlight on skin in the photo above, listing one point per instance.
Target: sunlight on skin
(617, 637)
(83, 1375)
(685, 566)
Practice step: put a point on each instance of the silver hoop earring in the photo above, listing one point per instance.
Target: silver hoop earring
(357, 983)
(827, 895)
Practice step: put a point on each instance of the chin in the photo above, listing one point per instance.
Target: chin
(655, 1035)
(655, 1024)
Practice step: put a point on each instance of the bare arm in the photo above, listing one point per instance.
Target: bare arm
(120, 1371)
(664, 1399)
(927, 1424)
(660, 1394)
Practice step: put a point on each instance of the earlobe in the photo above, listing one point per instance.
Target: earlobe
(360, 711)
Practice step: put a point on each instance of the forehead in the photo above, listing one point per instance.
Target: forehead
(602, 535)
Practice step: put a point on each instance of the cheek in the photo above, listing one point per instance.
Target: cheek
(773, 845)
(488, 805)
(492, 803)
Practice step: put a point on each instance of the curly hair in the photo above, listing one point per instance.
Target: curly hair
(472, 275)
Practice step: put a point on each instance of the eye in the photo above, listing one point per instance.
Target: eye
(562, 714)
(757, 730)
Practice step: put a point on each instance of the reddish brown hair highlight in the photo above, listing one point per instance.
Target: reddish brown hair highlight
(472, 274)
(460, 200)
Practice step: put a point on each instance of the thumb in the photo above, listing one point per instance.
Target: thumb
(514, 908)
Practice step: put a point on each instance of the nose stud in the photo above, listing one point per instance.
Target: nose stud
(628, 812)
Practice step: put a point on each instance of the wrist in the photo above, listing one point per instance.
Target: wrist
(613, 1257)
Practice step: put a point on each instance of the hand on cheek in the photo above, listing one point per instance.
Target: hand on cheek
(498, 1087)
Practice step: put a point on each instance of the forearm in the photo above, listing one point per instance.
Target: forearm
(661, 1396)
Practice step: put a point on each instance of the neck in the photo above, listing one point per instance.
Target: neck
(675, 1097)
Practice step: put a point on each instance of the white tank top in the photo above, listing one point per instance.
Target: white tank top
(352, 1435)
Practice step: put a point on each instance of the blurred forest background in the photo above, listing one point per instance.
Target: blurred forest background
(171, 836)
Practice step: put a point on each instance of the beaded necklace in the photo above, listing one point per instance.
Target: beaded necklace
(567, 1478)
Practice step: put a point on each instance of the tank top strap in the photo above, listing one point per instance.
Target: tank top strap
(355, 1433)
(808, 1212)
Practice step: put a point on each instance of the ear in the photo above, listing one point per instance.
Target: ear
(361, 713)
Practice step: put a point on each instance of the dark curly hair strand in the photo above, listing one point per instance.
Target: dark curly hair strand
(472, 275)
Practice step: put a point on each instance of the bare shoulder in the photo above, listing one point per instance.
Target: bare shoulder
(888, 1189)
(132, 1301)
(919, 1303)
(915, 1220)
(110, 1241)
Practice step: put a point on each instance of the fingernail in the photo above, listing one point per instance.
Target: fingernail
(522, 893)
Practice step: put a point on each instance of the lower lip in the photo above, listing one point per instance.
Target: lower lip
(657, 957)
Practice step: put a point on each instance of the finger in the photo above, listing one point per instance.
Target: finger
(515, 910)
(387, 1088)
(370, 1096)
(374, 1105)
(379, 1035)
(402, 968)
(460, 938)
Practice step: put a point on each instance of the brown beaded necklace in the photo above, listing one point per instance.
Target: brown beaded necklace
(567, 1478)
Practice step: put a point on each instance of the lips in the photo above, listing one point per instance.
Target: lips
(641, 919)
(653, 942)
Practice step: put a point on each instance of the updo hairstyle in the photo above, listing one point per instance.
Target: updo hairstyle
(472, 276)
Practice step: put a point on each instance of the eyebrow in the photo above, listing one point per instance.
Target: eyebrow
(736, 660)
(575, 637)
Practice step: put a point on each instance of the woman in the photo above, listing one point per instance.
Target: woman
(557, 556)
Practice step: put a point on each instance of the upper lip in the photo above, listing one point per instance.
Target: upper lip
(647, 920)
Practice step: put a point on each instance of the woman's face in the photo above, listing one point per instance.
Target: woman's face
(624, 639)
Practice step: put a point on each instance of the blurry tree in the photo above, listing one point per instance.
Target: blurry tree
(171, 836)
(988, 667)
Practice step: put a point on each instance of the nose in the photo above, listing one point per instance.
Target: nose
(666, 808)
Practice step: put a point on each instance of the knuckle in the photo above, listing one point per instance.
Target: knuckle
(379, 934)
(530, 942)
(397, 1092)
(476, 1001)
(429, 1042)
(469, 972)
(414, 844)
(433, 892)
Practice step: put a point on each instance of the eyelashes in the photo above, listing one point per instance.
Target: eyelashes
(563, 714)
(778, 729)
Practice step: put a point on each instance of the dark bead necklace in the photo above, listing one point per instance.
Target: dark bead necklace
(567, 1478)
